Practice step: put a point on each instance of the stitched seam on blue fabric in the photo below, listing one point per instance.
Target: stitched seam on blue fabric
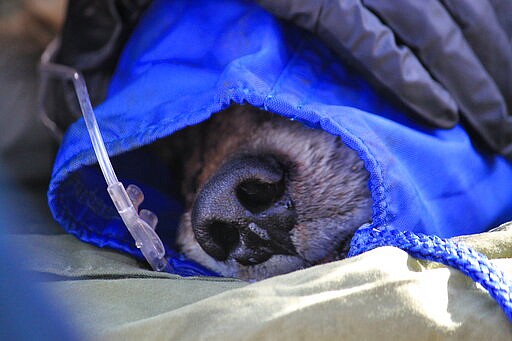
(161, 126)
(312, 85)
(164, 122)
(285, 70)
(382, 203)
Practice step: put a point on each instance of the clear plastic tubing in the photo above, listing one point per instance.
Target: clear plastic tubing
(141, 227)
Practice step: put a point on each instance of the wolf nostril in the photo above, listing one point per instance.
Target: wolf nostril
(257, 196)
(225, 236)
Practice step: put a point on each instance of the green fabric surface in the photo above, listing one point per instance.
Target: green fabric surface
(383, 294)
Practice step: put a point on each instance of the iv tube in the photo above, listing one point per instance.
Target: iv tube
(140, 226)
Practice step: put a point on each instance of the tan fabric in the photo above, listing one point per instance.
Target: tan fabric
(383, 294)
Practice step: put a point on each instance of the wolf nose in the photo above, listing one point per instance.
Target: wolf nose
(244, 211)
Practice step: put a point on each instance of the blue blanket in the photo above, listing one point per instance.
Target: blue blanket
(188, 60)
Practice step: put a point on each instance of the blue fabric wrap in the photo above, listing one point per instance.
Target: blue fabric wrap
(190, 59)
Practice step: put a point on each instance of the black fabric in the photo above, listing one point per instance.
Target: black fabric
(503, 8)
(438, 57)
(490, 43)
(91, 41)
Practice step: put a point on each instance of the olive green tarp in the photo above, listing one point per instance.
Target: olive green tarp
(383, 294)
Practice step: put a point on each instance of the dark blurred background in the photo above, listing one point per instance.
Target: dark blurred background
(27, 151)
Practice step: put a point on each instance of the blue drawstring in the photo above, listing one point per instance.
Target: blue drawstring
(456, 255)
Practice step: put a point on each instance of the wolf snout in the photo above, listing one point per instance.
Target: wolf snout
(245, 211)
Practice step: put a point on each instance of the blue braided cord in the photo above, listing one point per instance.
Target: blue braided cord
(456, 255)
